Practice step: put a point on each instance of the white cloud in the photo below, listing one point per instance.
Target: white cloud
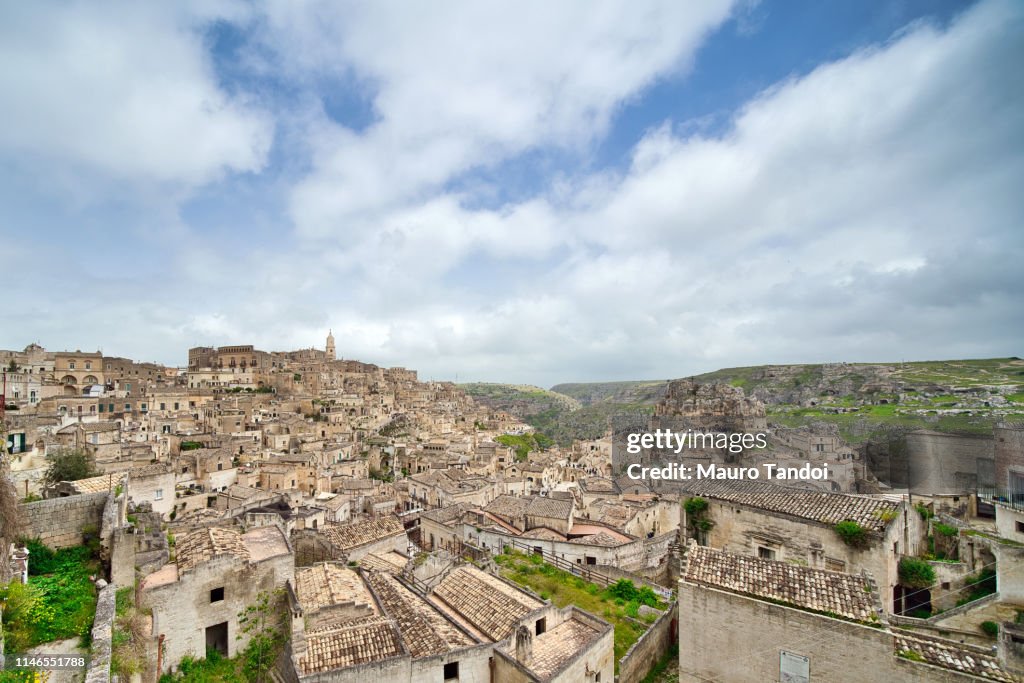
(459, 85)
(868, 210)
(125, 90)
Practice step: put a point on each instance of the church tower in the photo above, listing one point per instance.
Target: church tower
(330, 346)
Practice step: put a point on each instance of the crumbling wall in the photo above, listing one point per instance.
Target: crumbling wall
(650, 648)
(102, 636)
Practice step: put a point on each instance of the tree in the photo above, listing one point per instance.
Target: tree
(70, 465)
(263, 623)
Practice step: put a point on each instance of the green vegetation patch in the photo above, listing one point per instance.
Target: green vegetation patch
(618, 604)
(58, 602)
(916, 573)
(522, 444)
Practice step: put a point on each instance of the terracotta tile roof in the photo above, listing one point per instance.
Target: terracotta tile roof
(492, 606)
(812, 589)
(511, 507)
(597, 539)
(424, 630)
(354, 642)
(825, 508)
(202, 545)
(543, 533)
(445, 514)
(346, 536)
(955, 656)
(598, 485)
(390, 562)
(327, 584)
(100, 484)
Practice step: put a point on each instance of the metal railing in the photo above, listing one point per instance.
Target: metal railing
(1012, 498)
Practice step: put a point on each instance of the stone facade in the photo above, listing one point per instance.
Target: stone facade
(730, 637)
(59, 522)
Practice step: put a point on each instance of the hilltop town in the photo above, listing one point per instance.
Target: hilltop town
(292, 516)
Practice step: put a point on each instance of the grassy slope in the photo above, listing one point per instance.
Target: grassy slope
(601, 400)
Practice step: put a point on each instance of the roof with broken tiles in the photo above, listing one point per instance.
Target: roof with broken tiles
(327, 584)
(491, 605)
(826, 508)
(345, 536)
(555, 648)
(203, 545)
(949, 655)
(844, 595)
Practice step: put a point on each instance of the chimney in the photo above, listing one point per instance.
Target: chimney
(524, 646)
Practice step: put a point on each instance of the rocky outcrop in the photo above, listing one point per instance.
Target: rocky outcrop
(711, 407)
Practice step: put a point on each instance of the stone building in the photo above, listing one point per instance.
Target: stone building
(349, 625)
(772, 522)
(350, 542)
(217, 573)
(751, 619)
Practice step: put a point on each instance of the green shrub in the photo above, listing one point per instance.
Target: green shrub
(981, 584)
(945, 529)
(852, 533)
(916, 573)
(925, 512)
(695, 506)
(990, 628)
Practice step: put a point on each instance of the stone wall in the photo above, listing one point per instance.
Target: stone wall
(58, 522)
(102, 636)
(730, 637)
(948, 463)
(651, 648)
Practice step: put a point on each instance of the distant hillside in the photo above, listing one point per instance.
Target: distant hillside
(642, 392)
(521, 400)
(865, 400)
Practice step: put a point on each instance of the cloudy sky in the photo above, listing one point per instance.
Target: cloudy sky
(523, 191)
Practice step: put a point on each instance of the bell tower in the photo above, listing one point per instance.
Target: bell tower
(330, 346)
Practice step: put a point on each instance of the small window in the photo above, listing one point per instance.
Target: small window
(159, 494)
(451, 671)
(766, 553)
(1020, 527)
(217, 594)
(71, 365)
(220, 466)
(597, 677)
(945, 585)
(540, 626)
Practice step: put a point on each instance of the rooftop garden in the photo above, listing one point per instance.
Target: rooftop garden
(619, 603)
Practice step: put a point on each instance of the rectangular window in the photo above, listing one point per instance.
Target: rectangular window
(143, 407)
(766, 553)
(163, 406)
(175, 406)
(540, 626)
(217, 594)
(102, 407)
(159, 494)
(111, 407)
(451, 671)
(1020, 527)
